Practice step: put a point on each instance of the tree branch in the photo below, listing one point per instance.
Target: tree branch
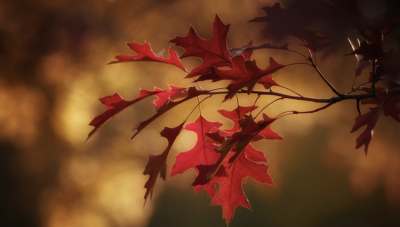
(309, 99)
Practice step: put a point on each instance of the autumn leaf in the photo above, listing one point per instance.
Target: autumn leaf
(369, 119)
(230, 194)
(388, 102)
(236, 114)
(234, 141)
(267, 133)
(390, 62)
(213, 52)
(158, 164)
(361, 62)
(224, 158)
(238, 160)
(254, 75)
(243, 162)
(367, 51)
(237, 72)
(312, 40)
(144, 53)
(192, 92)
(391, 107)
(171, 94)
(203, 153)
(243, 71)
(249, 132)
(294, 21)
(116, 104)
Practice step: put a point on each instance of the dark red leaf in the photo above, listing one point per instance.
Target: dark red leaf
(311, 39)
(237, 142)
(361, 62)
(267, 133)
(369, 119)
(237, 72)
(388, 102)
(235, 115)
(203, 153)
(116, 104)
(158, 164)
(390, 63)
(294, 21)
(254, 75)
(192, 92)
(213, 52)
(391, 107)
(368, 51)
(230, 193)
(144, 53)
(173, 93)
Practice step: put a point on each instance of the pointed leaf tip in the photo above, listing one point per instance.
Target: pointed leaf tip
(144, 53)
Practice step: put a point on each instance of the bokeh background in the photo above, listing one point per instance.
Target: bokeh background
(53, 69)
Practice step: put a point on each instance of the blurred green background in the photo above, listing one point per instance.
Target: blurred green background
(53, 69)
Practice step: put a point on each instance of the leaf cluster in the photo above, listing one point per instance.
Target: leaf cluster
(226, 157)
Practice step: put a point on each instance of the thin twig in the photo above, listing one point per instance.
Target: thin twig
(286, 113)
(325, 80)
(373, 76)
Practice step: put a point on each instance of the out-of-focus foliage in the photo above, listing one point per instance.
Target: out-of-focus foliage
(53, 57)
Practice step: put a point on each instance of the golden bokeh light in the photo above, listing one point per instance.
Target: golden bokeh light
(54, 69)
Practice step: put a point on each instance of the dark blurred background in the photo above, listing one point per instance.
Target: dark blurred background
(53, 69)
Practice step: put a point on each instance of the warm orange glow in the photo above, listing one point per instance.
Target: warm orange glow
(53, 70)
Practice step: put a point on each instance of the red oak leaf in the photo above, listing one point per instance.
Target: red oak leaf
(235, 115)
(370, 120)
(213, 52)
(241, 70)
(250, 131)
(391, 107)
(230, 193)
(192, 92)
(368, 51)
(388, 102)
(226, 144)
(236, 142)
(203, 153)
(144, 53)
(173, 93)
(116, 104)
(254, 75)
(158, 164)
(237, 72)
(390, 62)
(294, 21)
(311, 40)
(238, 160)
(361, 62)
(267, 133)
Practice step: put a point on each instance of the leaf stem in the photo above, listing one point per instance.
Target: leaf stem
(286, 113)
